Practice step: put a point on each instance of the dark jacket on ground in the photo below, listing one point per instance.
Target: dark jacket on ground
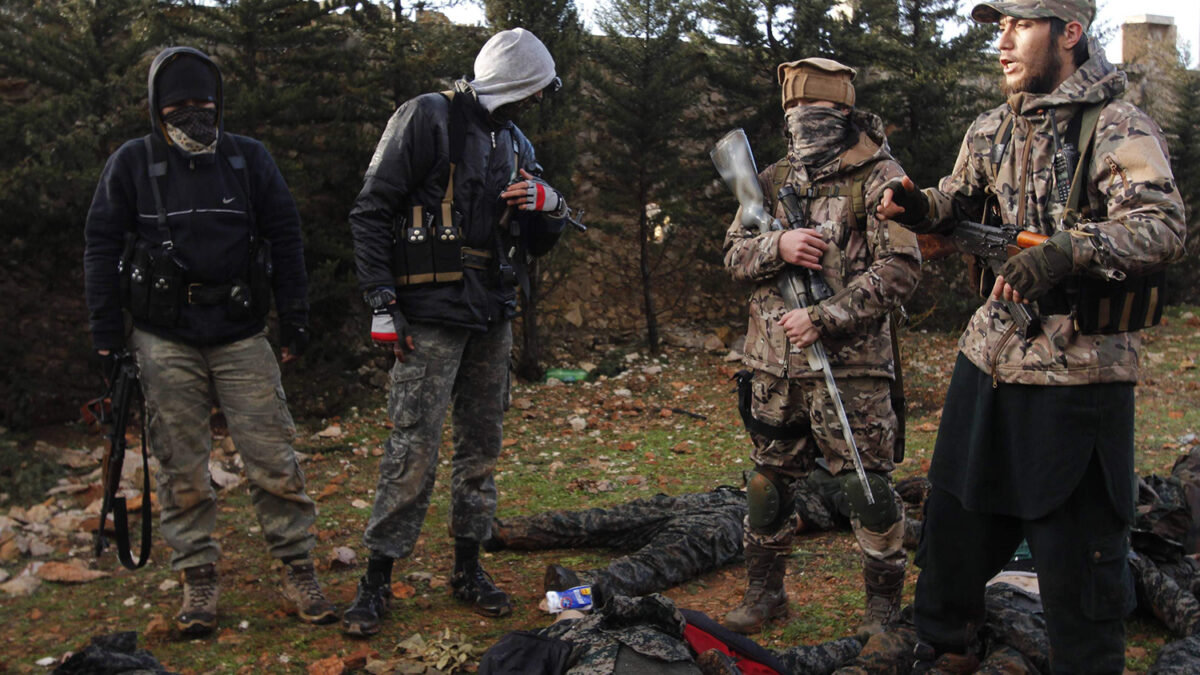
(209, 223)
(411, 166)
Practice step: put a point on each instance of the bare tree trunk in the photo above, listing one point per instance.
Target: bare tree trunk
(644, 268)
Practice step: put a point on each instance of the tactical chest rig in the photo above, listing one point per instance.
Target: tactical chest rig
(154, 280)
(429, 248)
(1097, 306)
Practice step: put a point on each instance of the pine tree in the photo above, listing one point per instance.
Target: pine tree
(1183, 138)
(644, 99)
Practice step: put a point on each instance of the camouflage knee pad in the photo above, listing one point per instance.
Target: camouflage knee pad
(879, 516)
(768, 501)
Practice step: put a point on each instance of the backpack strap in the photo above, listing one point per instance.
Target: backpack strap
(1001, 141)
(1089, 119)
(456, 129)
(156, 165)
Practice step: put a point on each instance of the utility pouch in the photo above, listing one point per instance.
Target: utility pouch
(262, 271)
(428, 248)
(240, 305)
(165, 291)
(1107, 307)
(137, 270)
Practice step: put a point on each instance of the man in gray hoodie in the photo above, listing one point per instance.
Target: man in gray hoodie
(451, 210)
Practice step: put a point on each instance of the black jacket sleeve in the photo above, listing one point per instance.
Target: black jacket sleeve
(111, 215)
(403, 158)
(279, 222)
(540, 231)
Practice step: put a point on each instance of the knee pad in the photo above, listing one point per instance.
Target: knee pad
(879, 516)
(768, 501)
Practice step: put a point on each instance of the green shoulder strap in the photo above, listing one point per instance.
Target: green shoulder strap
(1087, 132)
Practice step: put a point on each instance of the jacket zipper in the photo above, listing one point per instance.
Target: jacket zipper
(996, 354)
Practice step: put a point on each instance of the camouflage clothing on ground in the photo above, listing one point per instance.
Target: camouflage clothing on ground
(1178, 658)
(451, 368)
(872, 267)
(651, 627)
(819, 659)
(1174, 605)
(1131, 222)
(176, 380)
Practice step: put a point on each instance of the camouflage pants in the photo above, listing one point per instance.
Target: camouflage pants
(786, 402)
(467, 372)
(672, 539)
(176, 381)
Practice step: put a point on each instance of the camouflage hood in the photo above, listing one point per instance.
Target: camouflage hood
(1095, 81)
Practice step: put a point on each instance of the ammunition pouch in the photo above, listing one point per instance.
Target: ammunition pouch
(753, 425)
(429, 248)
(152, 285)
(1107, 307)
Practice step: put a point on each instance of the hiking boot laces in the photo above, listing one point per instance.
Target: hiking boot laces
(311, 603)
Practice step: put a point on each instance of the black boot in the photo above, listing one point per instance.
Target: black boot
(470, 583)
(372, 601)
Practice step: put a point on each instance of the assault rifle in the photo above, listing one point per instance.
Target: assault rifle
(114, 408)
(735, 163)
(993, 246)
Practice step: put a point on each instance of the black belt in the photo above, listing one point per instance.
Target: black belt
(208, 294)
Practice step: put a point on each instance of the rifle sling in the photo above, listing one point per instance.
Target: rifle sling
(899, 406)
(115, 504)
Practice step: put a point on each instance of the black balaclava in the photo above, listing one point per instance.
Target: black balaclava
(192, 127)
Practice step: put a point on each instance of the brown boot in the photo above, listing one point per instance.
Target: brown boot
(198, 616)
(884, 583)
(303, 592)
(765, 598)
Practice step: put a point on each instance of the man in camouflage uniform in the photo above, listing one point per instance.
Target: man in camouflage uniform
(1036, 437)
(837, 159)
(456, 179)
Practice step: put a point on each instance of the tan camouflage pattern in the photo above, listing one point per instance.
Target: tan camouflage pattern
(1132, 222)
(877, 271)
(781, 402)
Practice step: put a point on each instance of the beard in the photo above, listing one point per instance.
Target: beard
(1041, 76)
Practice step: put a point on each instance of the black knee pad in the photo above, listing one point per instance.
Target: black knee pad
(884, 513)
(768, 500)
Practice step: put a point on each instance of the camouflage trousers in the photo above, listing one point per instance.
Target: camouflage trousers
(176, 380)
(451, 368)
(788, 402)
(671, 539)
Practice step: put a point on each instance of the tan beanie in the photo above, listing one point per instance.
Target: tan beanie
(816, 79)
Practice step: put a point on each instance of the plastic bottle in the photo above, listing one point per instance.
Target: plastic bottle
(567, 374)
(382, 327)
(579, 598)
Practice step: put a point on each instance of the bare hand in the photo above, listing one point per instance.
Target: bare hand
(799, 328)
(1002, 291)
(287, 356)
(888, 209)
(803, 247)
(402, 347)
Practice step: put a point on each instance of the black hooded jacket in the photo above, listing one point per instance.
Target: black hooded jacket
(209, 223)
(411, 166)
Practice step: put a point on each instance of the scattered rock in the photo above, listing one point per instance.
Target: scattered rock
(360, 504)
(222, 478)
(588, 366)
(342, 558)
(66, 573)
(574, 317)
(4, 576)
(713, 343)
(652, 370)
(623, 393)
(46, 662)
(577, 423)
(331, 431)
(523, 404)
(168, 585)
(24, 584)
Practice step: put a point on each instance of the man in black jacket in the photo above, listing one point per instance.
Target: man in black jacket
(449, 214)
(190, 230)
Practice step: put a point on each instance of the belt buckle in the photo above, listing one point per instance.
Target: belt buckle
(190, 288)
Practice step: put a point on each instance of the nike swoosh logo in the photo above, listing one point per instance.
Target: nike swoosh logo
(227, 201)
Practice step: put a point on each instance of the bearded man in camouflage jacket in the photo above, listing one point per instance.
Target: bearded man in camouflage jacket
(1036, 437)
(838, 162)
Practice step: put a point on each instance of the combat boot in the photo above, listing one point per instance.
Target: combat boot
(301, 589)
(198, 617)
(371, 602)
(765, 598)
(884, 583)
(470, 583)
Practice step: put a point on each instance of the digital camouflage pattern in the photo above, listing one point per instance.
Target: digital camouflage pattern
(1178, 658)
(671, 539)
(176, 380)
(1131, 222)
(451, 368)
(872, 267)
(649, 625)
(1175, 606)
(819, 659)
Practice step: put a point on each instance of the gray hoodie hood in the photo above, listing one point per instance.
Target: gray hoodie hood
(511, 66)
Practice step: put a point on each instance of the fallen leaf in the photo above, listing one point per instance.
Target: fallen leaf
(359, 659)
(402, 590)
(157, 627)
(927, 427)
(329, 490)
(1175, 414)
(508, 442)
(331, 431)
(627, 446)
(332, 665)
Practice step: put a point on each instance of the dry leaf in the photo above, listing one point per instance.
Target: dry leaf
(65, 573)
(327, 666)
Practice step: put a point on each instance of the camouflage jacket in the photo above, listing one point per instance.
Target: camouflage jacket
(872, 267)
(1131, 223)
(649, 625)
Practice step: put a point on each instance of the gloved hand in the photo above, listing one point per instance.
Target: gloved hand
(1036, 270)
(902, 202)
(404, 341)
(532, 194)
(293, 340)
